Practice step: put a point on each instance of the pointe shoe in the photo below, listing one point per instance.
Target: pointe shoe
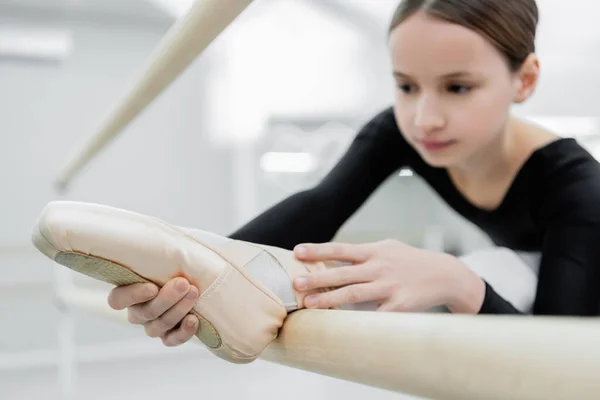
(239, 315)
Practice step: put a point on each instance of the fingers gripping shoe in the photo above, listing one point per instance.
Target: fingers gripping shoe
(245, 289)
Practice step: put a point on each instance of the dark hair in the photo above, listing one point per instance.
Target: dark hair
(510, 25)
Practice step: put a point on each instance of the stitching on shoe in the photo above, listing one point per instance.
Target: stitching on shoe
(223, 344)
(217, 283)
(238, 354)
(250, 279)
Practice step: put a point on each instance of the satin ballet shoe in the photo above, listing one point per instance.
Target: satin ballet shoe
(245, 289)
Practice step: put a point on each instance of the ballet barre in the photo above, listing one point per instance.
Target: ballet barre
(434, 355)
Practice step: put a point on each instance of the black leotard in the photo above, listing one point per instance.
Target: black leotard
(552, 206)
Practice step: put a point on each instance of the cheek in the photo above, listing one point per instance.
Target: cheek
(482, 115)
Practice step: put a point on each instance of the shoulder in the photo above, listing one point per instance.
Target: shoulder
(381, 125)
(382, 132)
(566, 179)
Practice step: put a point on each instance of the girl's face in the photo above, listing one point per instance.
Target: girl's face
(454, 89)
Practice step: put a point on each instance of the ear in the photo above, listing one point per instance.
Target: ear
(527, 78)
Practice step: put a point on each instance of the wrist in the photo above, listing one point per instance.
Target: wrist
(466, 289)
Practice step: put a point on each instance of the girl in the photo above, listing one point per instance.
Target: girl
(458, 66)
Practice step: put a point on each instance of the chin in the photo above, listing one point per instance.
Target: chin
(439, 160)
(438, 163)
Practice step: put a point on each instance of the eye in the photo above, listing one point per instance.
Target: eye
(406, 88)
(459, 89)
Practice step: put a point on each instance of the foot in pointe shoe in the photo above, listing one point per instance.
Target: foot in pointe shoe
(245, 289)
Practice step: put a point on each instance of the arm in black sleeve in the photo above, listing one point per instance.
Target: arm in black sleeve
(315, 215)
(569, 272)
(568, 280)
(569, 277)
(493, 303)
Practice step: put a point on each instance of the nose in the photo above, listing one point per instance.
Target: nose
(429, 115)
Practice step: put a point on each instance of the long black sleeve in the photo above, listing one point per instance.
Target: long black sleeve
(315, 215)
(569, 279)
(565, 207)
(493, 303)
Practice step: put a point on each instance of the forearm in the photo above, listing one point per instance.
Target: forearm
(302, 217)
(316, 215)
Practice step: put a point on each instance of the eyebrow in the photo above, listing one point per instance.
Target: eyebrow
(458, 74)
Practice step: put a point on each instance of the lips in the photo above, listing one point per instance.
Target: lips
(435, 145)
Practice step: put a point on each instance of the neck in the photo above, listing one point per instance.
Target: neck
(495, 160)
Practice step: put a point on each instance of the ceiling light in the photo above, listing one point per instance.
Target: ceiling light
(287, 162)
(34, 44)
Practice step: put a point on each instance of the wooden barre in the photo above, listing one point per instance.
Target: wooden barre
(436, 356)
(183, 43)
(446, 356)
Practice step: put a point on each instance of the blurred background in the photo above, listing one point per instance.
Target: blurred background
(265, 111)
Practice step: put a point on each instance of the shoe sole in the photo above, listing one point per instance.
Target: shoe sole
(118, 275)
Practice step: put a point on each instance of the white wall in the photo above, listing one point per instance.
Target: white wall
(158, 165)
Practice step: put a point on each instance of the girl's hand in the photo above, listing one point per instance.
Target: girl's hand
(164, 313)
(396, 276)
